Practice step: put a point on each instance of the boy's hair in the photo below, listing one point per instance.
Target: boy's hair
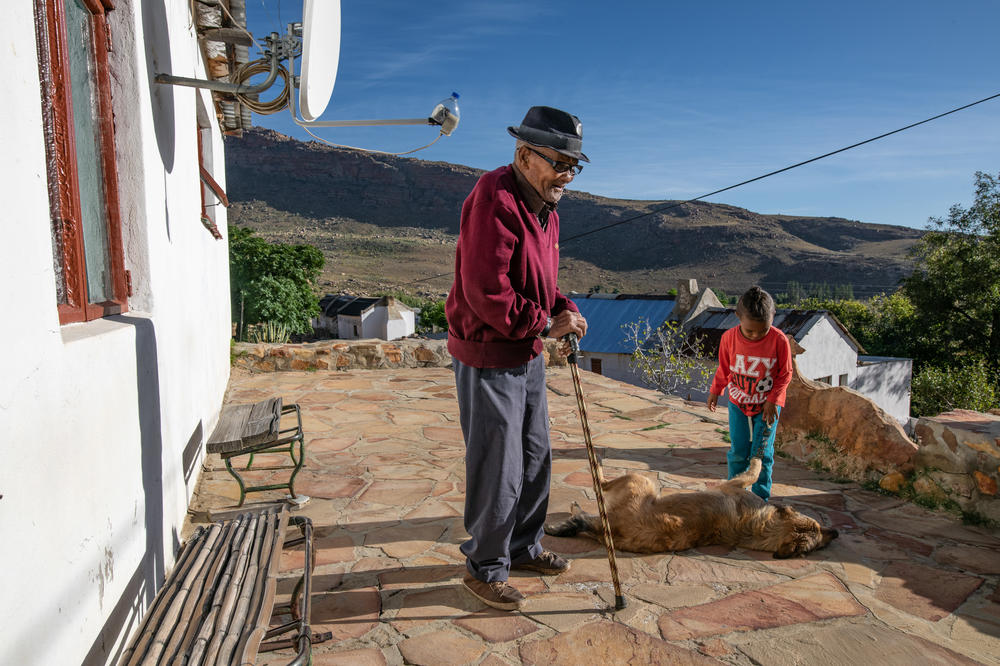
(756, 304)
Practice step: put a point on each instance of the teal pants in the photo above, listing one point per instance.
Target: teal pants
(751, 436)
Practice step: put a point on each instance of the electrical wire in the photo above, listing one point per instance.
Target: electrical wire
(745, 182)
(250, 69)
(777, 171)
(225, 9)
(369, 150)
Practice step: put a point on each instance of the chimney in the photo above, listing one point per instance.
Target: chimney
(687, 292)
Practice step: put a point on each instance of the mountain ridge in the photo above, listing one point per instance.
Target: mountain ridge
(388, 222)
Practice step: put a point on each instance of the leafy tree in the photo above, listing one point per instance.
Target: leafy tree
(667, 358)
(885, 325)
(795, 292)
(432, 316)
(721, 295)
(843, 291)
(937, 389)
(273, 282)
(956, 284)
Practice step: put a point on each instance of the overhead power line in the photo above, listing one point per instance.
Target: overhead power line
(773, 173)
(677, 204)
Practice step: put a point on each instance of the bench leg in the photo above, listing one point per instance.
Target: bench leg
(298, 463)
(232, 472)
(286, 444)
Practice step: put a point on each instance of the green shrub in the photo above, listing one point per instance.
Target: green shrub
(937, 389)
(272, 282)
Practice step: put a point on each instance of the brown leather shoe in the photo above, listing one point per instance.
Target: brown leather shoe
(547, 562)
(498, 594)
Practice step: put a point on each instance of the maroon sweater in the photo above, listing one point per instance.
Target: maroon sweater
(505, 276)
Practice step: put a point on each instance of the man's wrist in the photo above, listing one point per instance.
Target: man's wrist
(548, 327)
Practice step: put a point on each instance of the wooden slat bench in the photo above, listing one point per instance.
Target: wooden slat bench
(216, 605)
(244, 430)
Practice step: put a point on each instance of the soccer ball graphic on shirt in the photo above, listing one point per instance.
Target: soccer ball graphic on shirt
(764, 384)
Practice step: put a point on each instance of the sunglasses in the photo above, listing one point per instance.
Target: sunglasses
(559, 167)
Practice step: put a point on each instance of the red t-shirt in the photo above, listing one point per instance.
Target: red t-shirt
(755, 371)
(506, 266)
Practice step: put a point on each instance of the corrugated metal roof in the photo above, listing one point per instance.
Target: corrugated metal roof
(358, 306)
(713, 322)
(607, 313)
(345, 304)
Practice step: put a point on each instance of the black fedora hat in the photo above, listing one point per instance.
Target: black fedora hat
(551, 128)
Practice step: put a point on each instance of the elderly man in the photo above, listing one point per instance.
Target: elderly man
(503, 302)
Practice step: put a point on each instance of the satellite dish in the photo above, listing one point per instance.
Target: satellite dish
(320, 55)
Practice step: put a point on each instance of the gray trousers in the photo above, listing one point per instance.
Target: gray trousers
(508, 464)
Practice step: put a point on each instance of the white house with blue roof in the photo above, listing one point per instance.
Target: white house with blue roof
(606, 349)
(832, 355)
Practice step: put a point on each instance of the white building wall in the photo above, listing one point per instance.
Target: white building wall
(400, 327)
(346, 327)
(616, 366)
(373, 323)
(376, 322)
(613, 366)
(105, 421)
(828, 352)
(887, 382)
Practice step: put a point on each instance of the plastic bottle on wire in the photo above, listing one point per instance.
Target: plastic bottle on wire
(446, 114)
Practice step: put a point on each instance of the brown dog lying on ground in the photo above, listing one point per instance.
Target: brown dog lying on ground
(643, 521)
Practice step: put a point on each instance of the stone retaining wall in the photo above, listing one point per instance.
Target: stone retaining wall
(957, 461)
(843, 431)
(354, 355)
(961, 452)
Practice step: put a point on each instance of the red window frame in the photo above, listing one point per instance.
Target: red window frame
(60, 153)
(207, 181)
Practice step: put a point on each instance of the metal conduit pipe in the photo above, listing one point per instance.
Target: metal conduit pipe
(224, 87)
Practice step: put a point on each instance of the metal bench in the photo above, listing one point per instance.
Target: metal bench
(249, 429)
(217, 603)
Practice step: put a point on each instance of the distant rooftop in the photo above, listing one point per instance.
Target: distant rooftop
(713, 322)
(614, 311)
(344, 304)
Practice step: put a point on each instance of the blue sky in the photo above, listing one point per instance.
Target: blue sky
(679, 99)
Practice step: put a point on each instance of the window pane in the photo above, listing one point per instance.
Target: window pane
(93, 209)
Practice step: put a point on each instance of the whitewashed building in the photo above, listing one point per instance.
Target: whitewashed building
(358, 317)
(115, 279)
(606, 349)
(832, 355)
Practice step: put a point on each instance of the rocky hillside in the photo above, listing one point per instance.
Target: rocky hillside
(389, 222)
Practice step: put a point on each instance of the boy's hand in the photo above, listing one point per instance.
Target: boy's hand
(770, 413)
(713, 400)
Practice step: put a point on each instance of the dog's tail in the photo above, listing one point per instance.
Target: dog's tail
(748, 477)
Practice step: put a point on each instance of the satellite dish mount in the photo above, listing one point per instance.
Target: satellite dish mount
(320, 59)
(316, 42)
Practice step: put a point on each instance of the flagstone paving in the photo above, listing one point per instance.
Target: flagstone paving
(385, 473)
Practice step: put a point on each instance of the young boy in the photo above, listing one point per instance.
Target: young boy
(755, 362)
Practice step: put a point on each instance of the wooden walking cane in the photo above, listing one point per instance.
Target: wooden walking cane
(594, 470)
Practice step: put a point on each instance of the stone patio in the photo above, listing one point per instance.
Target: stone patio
(385, 474)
